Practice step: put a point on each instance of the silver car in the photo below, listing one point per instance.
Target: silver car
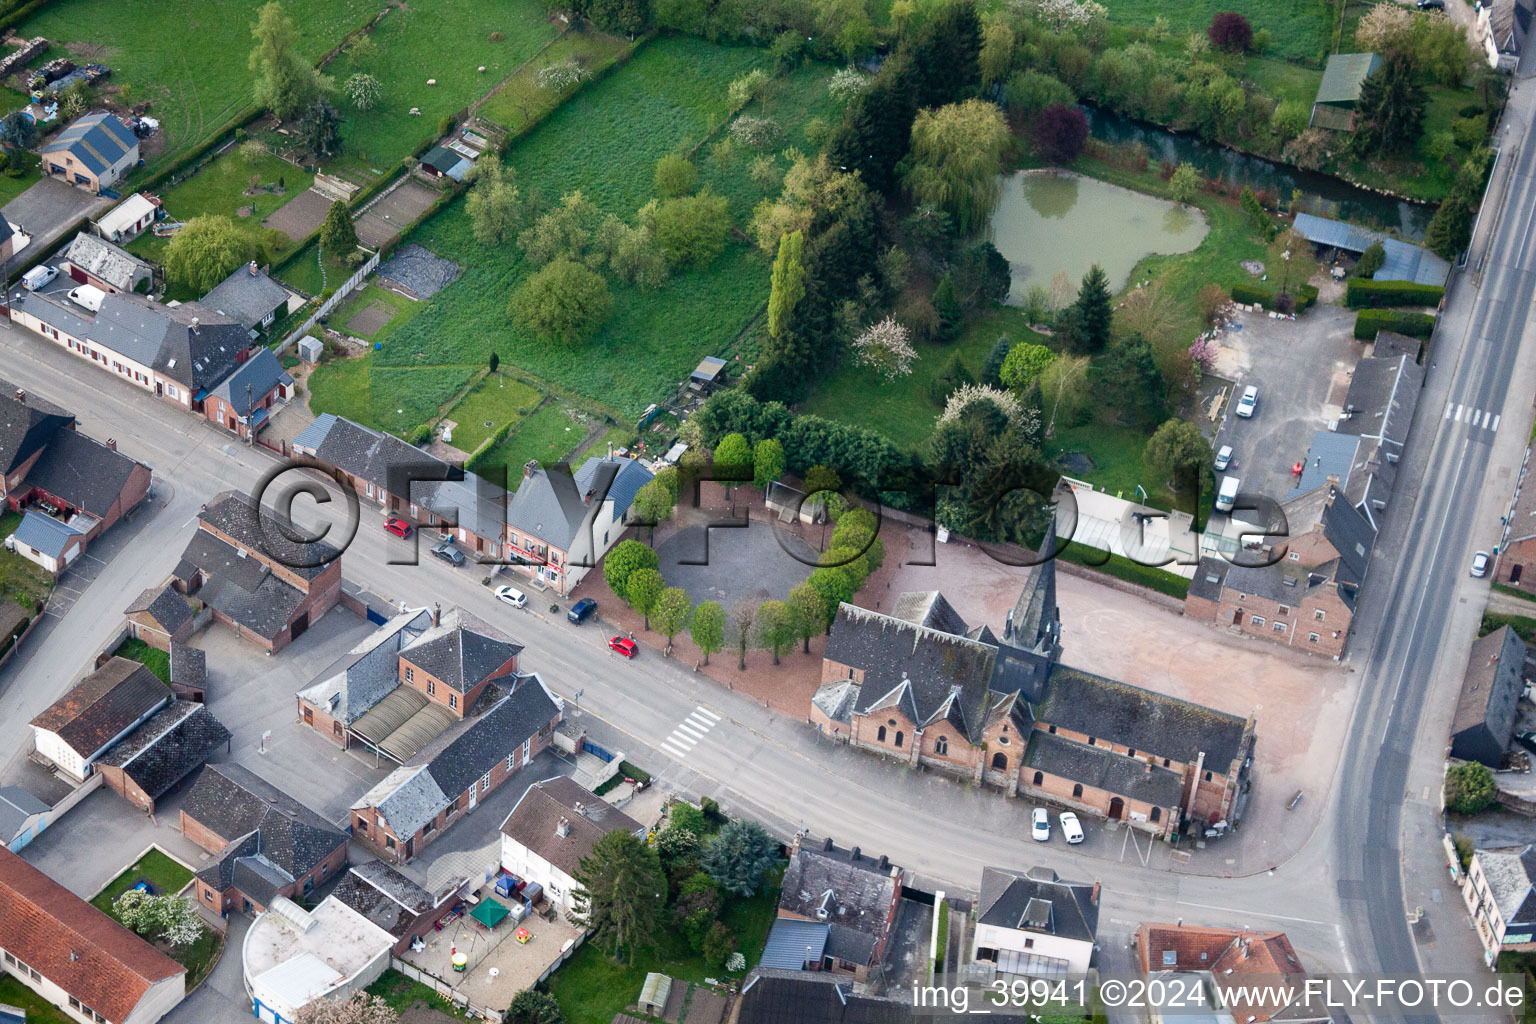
(1223, 457)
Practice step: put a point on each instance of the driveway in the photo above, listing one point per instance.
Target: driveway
(47, 211)
(1302, 369)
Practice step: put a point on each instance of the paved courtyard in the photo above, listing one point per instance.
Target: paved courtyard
(48, 209)
(729, 563)
(499, 965)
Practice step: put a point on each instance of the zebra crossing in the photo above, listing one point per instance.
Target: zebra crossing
(1484, 419)
(685, 737)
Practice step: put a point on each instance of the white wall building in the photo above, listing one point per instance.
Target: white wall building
(551, 828)
(292, 957)
(1033, 924)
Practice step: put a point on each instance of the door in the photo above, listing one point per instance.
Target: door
(300, 624)
(77, 273)
(473, 799)
(1116, 809)
(1514, 573)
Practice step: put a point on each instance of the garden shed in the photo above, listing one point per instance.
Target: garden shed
(653, 995)
(310, 348)
(1339, 91)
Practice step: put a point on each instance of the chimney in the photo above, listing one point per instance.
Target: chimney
(21, 394)
(437, 614)
(1094, 899)
(826, 845)
(884, 862)
(610, 450)
(194, 325)
(586, 499)
(1149, 767)
(854, 856)
(563, 829)
(112, 444)
(579, 808)
(253, 268)
(529, 467)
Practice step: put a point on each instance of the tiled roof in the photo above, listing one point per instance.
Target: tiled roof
(189, 665)
(363, 676)
(74, 945)
(629, 477)
(462, 651)
(26, 425)
(97, 140)
(1511, 876)
(45, 534)
(243, 589)
(548, 506)
(1104, 769)
(1071, 908)
(105, 261)
(1140, 719)
(384, 896)
(1209, 576)
(247, 295)
(1490, 693)
(857, 894)
(104, 705)
(165, 749)
(535, 819)
(1230, 954)
(233, 803)
(82, 471)
(252, 382)
(259, 531)
(164, 605)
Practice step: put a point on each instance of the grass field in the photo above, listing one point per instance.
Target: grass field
(302, 271)
(368, 295)
(187, 57)
(160, 871)
(447, 41)
(152, 658)
(592, 986)
(548, 436)
(20, 580)
(39, 1010)
(494, 401)
(390, 398)
(521, 100)
(1297, 28)
(402, 994)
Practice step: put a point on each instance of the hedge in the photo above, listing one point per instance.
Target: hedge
(1415, 325)
(1248, 294)
(476, 457)
(1363, 293)
(15, 15)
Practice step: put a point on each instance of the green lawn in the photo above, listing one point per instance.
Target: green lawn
(1297, 28)
(20, 580)
(187, 58)
(341, 386)
(302, 271)
(619, 437)
(39, 1010)
(592, 987)
(11, 187)
(1282, 79)
(1421, 176)
(401, 993)
(521, 100)
(548, 436)
(447, 41)
(153, 658)
(495, 401)
(368, 295)
(165, 874)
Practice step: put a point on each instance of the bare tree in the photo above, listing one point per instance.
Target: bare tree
(743, 614)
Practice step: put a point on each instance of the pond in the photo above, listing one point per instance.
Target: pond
(1321, 194)
(1049, 224)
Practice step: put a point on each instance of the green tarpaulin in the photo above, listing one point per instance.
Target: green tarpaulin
(490, 913)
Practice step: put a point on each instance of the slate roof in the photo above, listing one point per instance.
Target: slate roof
(384, 896)
(915, 667)
(462, 651)
(929, 608)
(368, 672)
(236, 805)
(1140, 719)
(17, 806)
(538, 812)
(1329, 454)
(1490, 694)
(371, 455)
(45, 534)
(1209, 576)
(1345, 75)
(165, 606)
(235, 514)
(189, 665)
(1383, 394)
(105, 261)
(104, 705)
(772, 996)
(472, 503)
(857, 895)
(97, 140)
(1509, 22)
(252, 382)
(408, 798)
(74, 945)
(548, 506)
(1511, 877)
(26, 426)
(243, 589)
(1073, 908)
(627, 479)
(1104, 769)
(162, 751)
(248, 295)
(82, 471)
(1267, 581)
(1352, 536)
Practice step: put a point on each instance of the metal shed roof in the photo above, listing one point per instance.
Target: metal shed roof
(793, 944)
(1344, 76)
(1404, 261)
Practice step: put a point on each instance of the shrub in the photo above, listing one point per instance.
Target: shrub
(1371, 260)
(1364, 293)
(1415, 325)
(1231, 32)
(1305, 295)
(1059, 133)
(1469, 788)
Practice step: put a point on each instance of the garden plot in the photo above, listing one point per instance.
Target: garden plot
(394, 213)
(370, 319)
(416, 273)
(301, 216)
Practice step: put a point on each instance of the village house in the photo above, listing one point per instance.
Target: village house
(1518, 548)
(77, 729)
(1501, 30)
(291, 957)
(265, 843)
(242, 402)
(154, 758)
(96, 261)
(394, 903)
(852, 896)
(70, 488)
(77, 958)
(553, 825)
(178, 353)
(770, 996)
(1490, 697)
(128, 219)
(251, 297)
(1499, 890)
(259, 582)
(513, 722)
(94, 151)
(1265, 961)
(919, 685)
(160, 617)
(559, 524)
(1032, 923)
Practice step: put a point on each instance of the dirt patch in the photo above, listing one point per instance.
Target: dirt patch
(300, 216)
(394, 213)
(370, 319)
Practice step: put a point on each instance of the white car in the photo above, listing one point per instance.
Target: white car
(1040, 825)
(1480, 564)
(1249, 402)
(1223, 458)
(1071, 828)
(512, 596)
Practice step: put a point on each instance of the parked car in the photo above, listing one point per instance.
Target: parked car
(448, 553)
(1526, 740)
(1071, 828)
(1040, 825)
(38, 276)
(581, 609)
(512, 596)
(1226, 497)
(1247, 404)
(1480, 564)
(1431, 5)
(624, 645)
(1223, 457)
(401, 528)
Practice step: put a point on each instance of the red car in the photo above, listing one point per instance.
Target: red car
(624, 645)
(399, 527)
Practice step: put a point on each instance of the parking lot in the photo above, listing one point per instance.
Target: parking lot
(1302, 369)
(47, 211)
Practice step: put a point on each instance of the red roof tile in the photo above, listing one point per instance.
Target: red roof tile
(74, 945)
(1224, 951)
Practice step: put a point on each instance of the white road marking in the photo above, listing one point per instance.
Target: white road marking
(689, 731)
(707, 714)
(1496, 422)
(1252, 913)
(1449, 408)
(1459, 407)
(679, 754)
(699, 722)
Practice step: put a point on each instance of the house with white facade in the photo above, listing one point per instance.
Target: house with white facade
(1500, 893)
(551, 828)
(292, 956)
(1032, 923)
(560, 524)
(78, 728)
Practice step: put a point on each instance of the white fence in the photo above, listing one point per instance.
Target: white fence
(331, 303)
(443, 989)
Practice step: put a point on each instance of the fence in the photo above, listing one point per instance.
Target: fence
(331, 303)
(445, 990)
(565, 954)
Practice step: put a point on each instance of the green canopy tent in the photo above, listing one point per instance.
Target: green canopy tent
(490, 913)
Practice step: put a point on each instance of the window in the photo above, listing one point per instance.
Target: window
(485, 783)
(431, 687)
(1289, 581)
(1039, 778)
(362, 824)
(1313, 637)
(1077, 790)
(1279, 627)
(453, 700)
(1002, 741)
(1131, 752)
(1165, 762)
(890, 721)
(528, 746)
(208, 896)
(1259, 621)
(1091, 741)
(1029, 943)
(1207, 776)
(410, 674)
(1319, 614)
(74, 1003)
(1170, 956)
(1294, 556)
(1157, 813)
(510, 758)
(1284, 610)
(389, 842)
(941, 745)
(880, 735)
(309, 717)
(1053, 730)
(898, 737)
(999, 762)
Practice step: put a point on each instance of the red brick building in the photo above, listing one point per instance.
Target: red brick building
(243, 401)
(154, 758)
(394, 902)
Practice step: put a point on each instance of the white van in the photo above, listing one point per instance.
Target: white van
(38, 276)
(87, 296)
(1228, 494)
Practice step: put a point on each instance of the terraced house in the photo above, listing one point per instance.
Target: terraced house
(920, 685)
